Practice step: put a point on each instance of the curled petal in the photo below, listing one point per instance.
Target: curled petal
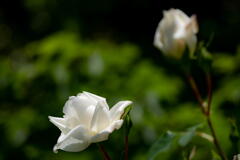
(191, 38)
(158, 39)
(75, 140)
(80, 108)
(71, 145)
(68, 108)
(97, 99)
(102, 136)
(93, 96)
(118, 109)
(193, 24)
(100, 118)
(59, 122)
(115, 125)
(191, 43)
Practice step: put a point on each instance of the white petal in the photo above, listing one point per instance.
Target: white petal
(61, 137)
(100, 118)
(191, 42)
(97, 99)
(80, 109)
(102, 136)
(193, 24)
(115, 125)
(59, 122)
(71, 145)
(118, 109)
(167, 28)
(191, 38)
(158, 39)
(180, 16)
(68, 109)
(76, 140)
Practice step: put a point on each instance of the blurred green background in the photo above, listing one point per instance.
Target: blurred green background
(52, 49)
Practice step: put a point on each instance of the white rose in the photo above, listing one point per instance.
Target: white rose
(87, 120)
(175, 32)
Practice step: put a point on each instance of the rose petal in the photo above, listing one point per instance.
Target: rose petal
(75, 140)
(179, 16)
(71, 145)
(97, 99)
(100, 118)
(81, 108)
(59, 122)
(118, 109)
(191, 43)
(102, 136)
(157, 39)
(68, 109)
(191, 38)
(168, 29)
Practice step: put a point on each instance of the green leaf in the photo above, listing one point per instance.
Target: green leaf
(187, 136)
(161, 145)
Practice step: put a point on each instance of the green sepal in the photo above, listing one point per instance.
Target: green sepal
(204, 57)
(127, 120)
(126, 112)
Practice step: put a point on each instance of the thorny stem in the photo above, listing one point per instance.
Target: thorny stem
(104, 153)
(126, 147)
(207, 111)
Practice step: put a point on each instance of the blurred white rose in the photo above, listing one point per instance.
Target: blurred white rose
(175, 32)
(87, 120)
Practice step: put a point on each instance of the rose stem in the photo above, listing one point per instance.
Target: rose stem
(216, 142)
(209, 86)
(196, 92)
(126, 147)
(207, 112)
(104, 153)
